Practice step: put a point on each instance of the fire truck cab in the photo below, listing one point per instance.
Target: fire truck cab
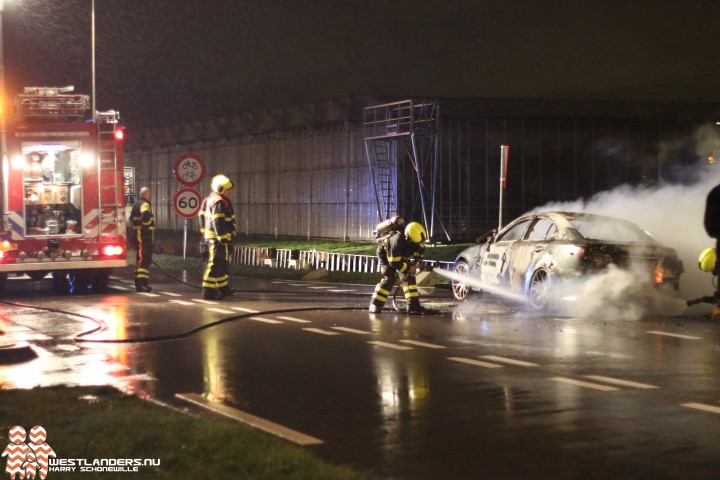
(62, 191)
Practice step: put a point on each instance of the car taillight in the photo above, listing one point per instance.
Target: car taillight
(576, 251)
(112, 250)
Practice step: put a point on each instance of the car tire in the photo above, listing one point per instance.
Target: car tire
(460, 290)
(539, 290)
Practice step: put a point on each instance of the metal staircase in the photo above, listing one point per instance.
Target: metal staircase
(391, 130)
(111, 212)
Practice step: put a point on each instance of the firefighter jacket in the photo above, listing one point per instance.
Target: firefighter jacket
(143, 221)
(397, 252)
(217, 219)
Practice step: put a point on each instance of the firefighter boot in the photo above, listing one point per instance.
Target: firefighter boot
(374, 308)
(226, 291)
(415, 308)
(211, 294)
(142, 287)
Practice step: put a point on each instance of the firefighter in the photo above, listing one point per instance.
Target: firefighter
(400, 251)
(217, 226)
(143, 222)
(711, 221)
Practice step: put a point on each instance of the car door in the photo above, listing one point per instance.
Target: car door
(529, 252)
(495, 261)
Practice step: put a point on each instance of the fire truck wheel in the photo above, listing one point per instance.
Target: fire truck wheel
(37, 274)
(100, 280)
(61, 284)
(79, 282)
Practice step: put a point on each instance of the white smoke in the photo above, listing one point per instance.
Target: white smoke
(672, 213)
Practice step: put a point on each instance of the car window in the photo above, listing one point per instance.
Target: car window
(514, 233)
(611, 230)
(542, 228)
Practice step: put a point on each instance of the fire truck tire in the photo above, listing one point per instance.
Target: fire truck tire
(100, 280)
(61, 284)
(79, 282)
(37, 274)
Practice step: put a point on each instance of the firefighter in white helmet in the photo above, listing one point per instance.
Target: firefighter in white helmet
(217, 226)
(400, 251)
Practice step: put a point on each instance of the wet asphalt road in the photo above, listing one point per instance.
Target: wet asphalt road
(485, 390)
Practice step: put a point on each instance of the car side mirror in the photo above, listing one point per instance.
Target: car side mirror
(488, 237)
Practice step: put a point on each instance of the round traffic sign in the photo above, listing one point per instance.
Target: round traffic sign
(186, 202)
(189, 169)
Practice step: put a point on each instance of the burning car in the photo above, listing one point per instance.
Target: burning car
(537, 252)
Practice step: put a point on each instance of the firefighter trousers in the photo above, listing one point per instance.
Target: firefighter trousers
(384, 288)
(144, 260)
(215, 279)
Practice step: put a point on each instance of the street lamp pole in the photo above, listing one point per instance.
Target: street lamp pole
(92, 47)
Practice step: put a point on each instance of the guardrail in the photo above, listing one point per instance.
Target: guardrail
(312, 259)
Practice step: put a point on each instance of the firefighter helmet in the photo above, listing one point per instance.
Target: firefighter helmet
(220, 183)
(706, 262)
(415, 232)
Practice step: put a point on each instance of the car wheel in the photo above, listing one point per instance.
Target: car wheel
(461, 290)
(539, 291)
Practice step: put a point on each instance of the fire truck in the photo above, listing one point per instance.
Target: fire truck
(62, 191)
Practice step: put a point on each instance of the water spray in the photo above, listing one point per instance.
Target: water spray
(479, 284)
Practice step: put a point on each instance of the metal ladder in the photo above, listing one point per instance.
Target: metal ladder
(384, 178)
(108, 187)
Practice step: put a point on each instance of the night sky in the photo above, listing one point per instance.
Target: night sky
(168, 62)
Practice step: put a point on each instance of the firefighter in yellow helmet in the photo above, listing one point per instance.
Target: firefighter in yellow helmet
(217, 227)
(400, 251)
(143, 222)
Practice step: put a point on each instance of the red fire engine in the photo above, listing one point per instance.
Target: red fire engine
(62, 191)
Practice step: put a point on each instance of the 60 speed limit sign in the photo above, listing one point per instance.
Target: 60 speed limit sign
(186, 202)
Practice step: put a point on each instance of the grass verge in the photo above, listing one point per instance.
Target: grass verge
(102, 423)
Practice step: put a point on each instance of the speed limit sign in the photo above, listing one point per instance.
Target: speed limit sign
(189, 169)
(186, 202)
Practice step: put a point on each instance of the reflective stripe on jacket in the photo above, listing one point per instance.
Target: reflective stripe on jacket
(217, 219)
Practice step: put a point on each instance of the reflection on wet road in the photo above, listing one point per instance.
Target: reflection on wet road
(483, 390)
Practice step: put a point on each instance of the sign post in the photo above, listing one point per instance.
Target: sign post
(189, 171)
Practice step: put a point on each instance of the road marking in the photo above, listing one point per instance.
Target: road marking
(148, 294)
(341, 291)
(477, 363)
(248, 310)
(248, 419)
(297, 284)
(120, 288)
(265, 320)
(293, 319)
(320, 288)
(352, 330)
(617, 381)
(389, 345)
(580, 383)
(421, 344)
(701, 406)
(510, 361)
(68, 348)
(321, 331)
(219, 310)
(677, 335)
(171, 294)
(206, 302)
(181, 302)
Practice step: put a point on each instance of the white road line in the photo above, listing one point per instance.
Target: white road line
(68, 348)
(477, 363)
(148, 294)
(421, 344)
(265, 320)
(248, 310)
(670, 334)
(115, 287)
(701, 406)
(580, 383)
(257, 422)
(341, 291)
(320, 331)
(171, 294)
(206, 302)
(293, 319)
(320, 288)
(219, 310)
(181, 302)
(352, 330)
(509, 361)
(297, 284)
(622, 383)
(389, 345)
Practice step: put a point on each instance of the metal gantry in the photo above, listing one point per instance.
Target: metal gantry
(391, 131)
